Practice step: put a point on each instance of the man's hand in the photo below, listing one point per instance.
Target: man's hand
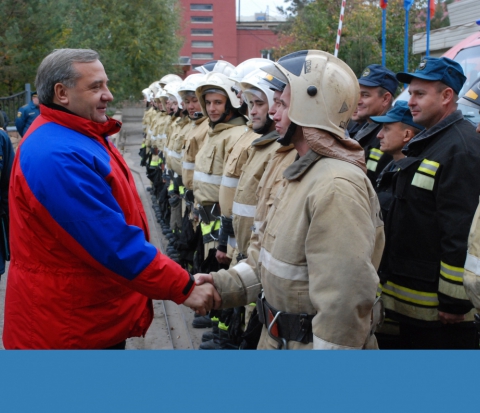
(447, 318)
(203, 298)
(222, 258)
(203, 278)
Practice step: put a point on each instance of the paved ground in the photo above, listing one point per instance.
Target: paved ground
(171, 327)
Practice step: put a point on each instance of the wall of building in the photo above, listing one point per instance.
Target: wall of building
(250, 42)
(222, 44)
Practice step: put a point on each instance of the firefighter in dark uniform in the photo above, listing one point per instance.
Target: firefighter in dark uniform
(397, 129)
(377, 88)
(436, 192)
(27, 114)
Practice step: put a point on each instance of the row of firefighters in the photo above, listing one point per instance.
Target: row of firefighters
(219, 151)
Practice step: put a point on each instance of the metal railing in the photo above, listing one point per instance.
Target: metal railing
(10, 104)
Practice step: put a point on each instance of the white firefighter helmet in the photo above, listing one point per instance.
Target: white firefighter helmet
(190, 84)
(172, 91)
(254, 82)
(217, 66)
(472, 97)
(169, 78)
(247, 67)
(324, 90)
(217, 83)
(147, 93)
(154, 87)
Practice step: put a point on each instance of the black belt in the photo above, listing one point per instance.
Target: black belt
(284, 327)
(209, 213)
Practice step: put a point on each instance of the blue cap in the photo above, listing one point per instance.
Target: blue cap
(378, 75)
(440, 69)
(399, 113)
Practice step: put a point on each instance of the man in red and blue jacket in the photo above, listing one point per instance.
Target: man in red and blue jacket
(82, 271)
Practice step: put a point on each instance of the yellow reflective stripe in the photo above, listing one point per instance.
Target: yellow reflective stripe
(375, 154)
(429, 167)
(171, 187)
(372, 165)
(208, 228)
(419, 313)
(423, 181)
(451, 273)
(412, 296)
(154, 163)
(222, 326)
(181, 189)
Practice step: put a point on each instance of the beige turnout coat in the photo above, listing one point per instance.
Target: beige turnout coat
(320, 245)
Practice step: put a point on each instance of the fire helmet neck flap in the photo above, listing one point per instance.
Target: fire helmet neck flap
(324, 90)
(172, 91)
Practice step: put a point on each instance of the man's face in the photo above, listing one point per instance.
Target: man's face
(192, 104)
(282, 121)
(425, 102)
(215, 105)
(258, 110)
(90, 95)
(168, 106)
(35, 100)
(173, 105)
(392, 138)
(370, 103)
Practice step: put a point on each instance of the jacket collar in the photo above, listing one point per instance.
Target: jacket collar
(62, 116)
(220, 127)
(427, 134)
(301, 165)
(266, 139)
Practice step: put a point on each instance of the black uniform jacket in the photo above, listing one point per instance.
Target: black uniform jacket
(376, 160)
(436, 192)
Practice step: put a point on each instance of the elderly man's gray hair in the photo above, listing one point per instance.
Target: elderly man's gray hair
(58, 67)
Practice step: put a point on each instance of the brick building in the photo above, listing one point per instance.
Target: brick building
(212, 32)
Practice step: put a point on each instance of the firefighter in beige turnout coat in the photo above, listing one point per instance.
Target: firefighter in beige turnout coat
(317, 293)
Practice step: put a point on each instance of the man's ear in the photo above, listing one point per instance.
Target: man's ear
(447, 95)
(61, 94)
(407, 135)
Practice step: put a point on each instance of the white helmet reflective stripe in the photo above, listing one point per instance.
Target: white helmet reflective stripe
(256, 80)
(217, 81)
(217, 66)
(324, 90)
(168, 79)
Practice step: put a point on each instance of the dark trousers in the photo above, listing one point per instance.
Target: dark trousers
(461, 336)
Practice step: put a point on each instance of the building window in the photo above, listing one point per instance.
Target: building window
(202, 56)
(202, 19)
(201, 7)
(197, 44)
(202, 32)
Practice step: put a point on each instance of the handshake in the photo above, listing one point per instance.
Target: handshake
(204, 296)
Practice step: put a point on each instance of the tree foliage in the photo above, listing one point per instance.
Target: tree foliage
(136, 39)
(313, 25)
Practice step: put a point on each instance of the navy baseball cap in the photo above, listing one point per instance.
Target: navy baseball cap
(378, 75)
(443, 69)
(399, 113)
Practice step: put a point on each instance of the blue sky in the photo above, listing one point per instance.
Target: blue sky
(250, 7)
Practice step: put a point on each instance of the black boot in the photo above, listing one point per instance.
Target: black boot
(222, 342)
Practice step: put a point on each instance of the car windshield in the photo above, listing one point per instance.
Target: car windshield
(469, 59)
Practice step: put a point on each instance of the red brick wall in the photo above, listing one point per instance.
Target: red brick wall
(251, 42)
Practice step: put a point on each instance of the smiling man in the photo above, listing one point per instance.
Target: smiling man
(83, 273)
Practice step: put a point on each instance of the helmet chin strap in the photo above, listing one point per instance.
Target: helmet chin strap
(265, 128)
(287, 138)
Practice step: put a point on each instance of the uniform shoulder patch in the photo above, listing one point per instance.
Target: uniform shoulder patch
(19, 114)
